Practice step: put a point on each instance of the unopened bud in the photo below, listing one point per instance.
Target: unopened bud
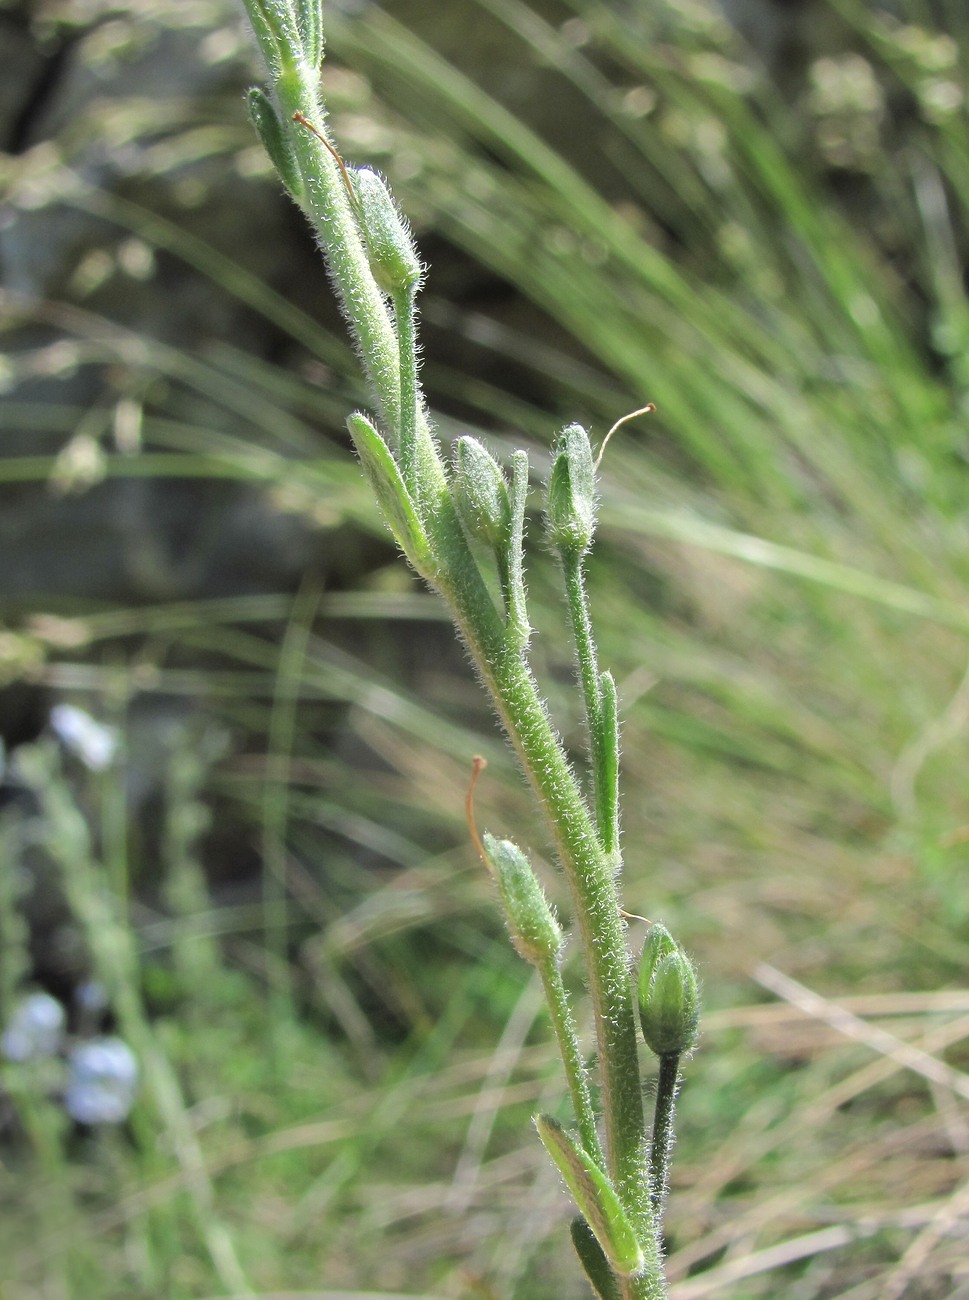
(481, 494)
(570, 513)
(390, 244)
(669, 1000)
(534, 930)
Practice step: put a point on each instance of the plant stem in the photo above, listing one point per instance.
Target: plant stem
(327, 205)
(667, 1086)
(563, 1024)
(594, 899)
(587, 661)
(405, 314)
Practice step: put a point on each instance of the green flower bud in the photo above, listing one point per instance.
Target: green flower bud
(481, 494)
(390, 244)
(570, 512)
(669, 1000)
(534, 930)
(262, 114)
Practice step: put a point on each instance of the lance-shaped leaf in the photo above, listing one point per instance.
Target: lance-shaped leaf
(263, 116)
(594, 1262)
(595, 1196)
(391, 493)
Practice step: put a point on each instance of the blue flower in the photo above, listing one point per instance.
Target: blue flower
(35, 1030)
(102, 1081)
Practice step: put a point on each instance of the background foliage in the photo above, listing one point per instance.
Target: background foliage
(754, 215)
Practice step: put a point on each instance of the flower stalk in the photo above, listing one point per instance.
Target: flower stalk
(454, 523)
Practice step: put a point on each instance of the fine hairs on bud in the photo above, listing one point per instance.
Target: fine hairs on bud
(393, 256)
(669, 999)
(570, 512)
(531, 922)
(481, 494)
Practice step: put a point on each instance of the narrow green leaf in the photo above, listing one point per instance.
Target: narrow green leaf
(595, 1196)
(594, 1262)
(391, 493)
(264, 118)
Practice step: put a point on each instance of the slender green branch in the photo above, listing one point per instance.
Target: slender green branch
(405, 318)
(328, 206)
(587, 664)
(595, 905)
(607, 786)
(563, 1025)
(661, 1147)
(514, 575)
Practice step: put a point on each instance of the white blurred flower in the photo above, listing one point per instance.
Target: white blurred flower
(35, 1030)
(92, 742)
(102, 1081)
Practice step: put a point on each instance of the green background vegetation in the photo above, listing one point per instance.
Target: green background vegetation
(761, 227)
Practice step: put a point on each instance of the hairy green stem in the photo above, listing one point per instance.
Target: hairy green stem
(405, 313)
(602, 746)
(563, 1025)
(592, 885)
(326, 202)
(418, 501)
(661, 1147)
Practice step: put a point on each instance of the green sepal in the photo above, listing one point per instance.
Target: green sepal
(309, 19)
(392, 496)
(276, 31)
(570, 512)
(595, 1196)
(481, 494)
(669, 997)
(265, 36)
(592, 1259)
(390, 244)
(264, 118)
(534, 930)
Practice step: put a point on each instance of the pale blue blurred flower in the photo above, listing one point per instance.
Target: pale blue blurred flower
(91, 741)
(91, 997)
(102, 1081)
(35, 1030)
